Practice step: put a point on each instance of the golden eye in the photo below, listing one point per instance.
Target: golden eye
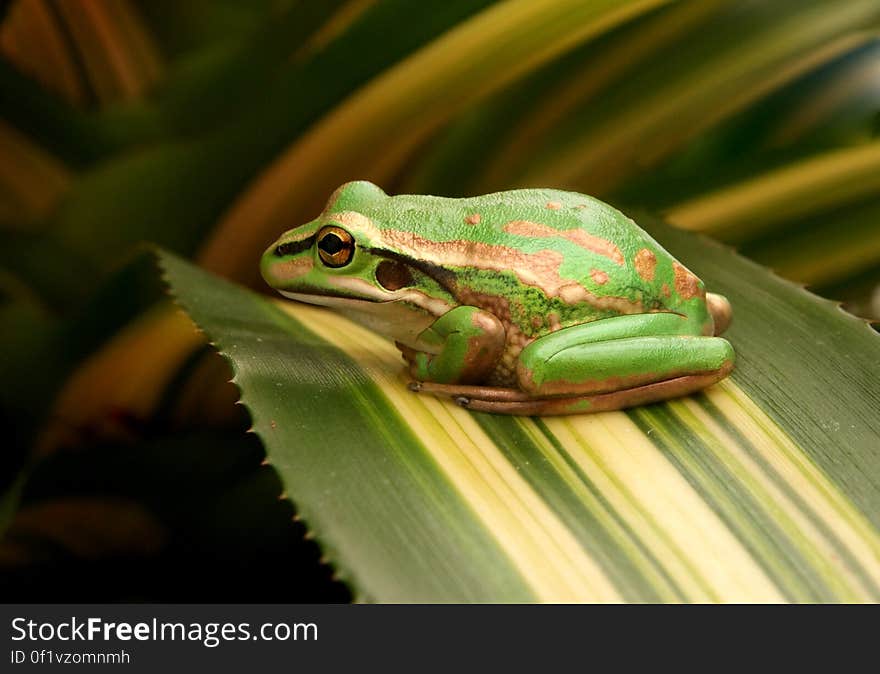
(335, 246)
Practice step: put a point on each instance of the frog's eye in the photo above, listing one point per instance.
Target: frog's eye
(335, 246)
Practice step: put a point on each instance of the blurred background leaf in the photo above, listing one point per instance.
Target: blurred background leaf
(207, 127)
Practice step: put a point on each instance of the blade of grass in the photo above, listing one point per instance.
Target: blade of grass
(509, 126)
(72, 135)
(846, 94)
(95, 396)
(744, 145)
(585, 81)
(152, 188)
(183, 28)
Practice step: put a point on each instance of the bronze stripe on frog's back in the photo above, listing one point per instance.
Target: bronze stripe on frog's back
(646, 264)
(580, 237)
(687, 285)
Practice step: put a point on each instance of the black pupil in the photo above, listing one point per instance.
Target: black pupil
(331, 244)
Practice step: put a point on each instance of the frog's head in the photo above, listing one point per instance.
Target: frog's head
(329, 258)
(341, 260)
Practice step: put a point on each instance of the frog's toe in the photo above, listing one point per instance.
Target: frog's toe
(468, 392)
(722, 312)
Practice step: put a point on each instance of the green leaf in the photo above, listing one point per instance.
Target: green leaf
(730, 63)
(825, 248)
(763, 488)
(758, 205)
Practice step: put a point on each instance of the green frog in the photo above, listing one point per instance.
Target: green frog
(530, 301)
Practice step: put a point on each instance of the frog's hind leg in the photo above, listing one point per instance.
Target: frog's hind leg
(618, 353)
(613, 363)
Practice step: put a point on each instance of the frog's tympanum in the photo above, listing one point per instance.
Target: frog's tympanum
(531, 301)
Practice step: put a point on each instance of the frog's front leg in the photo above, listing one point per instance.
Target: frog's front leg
(611, 364)
(460, 347)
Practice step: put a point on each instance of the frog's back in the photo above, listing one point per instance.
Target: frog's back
(587, 258)
(523, 218)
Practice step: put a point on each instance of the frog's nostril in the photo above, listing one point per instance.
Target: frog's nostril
(283, 250)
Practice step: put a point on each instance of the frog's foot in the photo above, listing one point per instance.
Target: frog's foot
(587, 404)
(462, 345)
(465, 392)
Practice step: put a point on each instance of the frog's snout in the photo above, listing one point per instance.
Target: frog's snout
(266, 264)
(722, 312)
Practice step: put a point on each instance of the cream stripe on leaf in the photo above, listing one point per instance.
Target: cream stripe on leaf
(539, 458)
(778, 535)
(543, 549)
(821, 552)
(804, 365)
(626, 505)
(821, 498)
(701, 553)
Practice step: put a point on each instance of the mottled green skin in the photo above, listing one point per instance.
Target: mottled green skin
(537, 260)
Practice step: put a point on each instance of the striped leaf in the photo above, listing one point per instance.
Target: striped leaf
(761, 489)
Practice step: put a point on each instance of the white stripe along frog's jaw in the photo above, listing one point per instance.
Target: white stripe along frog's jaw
(401, 315)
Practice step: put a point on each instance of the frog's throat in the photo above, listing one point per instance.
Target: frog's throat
(397, 319)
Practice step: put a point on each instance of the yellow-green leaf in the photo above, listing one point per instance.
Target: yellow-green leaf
(660, 111)
(755, 206)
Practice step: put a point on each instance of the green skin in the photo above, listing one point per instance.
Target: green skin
(522, 302)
